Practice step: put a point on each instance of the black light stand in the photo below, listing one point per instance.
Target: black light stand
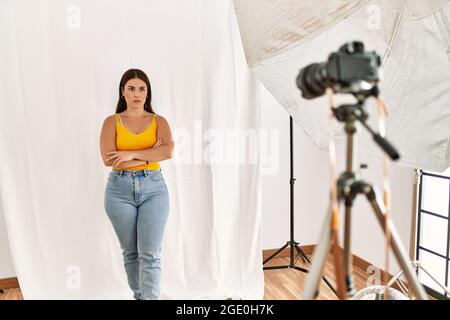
(292, 244)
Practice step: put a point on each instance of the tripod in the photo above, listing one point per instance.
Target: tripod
(292, 244)
(417, 265)
(348, 187)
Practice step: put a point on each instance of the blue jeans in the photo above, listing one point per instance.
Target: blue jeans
(137, 204)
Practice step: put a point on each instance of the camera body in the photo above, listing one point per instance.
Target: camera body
(344, 72)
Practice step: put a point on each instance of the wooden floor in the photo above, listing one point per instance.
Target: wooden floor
(287, 284)
(280, 284)
(11, 294)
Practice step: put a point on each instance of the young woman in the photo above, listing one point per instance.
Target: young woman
(133, 141)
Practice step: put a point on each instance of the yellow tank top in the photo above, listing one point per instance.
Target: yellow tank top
(127, 140)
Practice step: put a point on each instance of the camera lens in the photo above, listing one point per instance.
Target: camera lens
(310, 80)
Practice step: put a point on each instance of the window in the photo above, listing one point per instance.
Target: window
(433, 230)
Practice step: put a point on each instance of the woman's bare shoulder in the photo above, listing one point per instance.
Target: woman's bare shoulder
(159, 118)
(110, 120)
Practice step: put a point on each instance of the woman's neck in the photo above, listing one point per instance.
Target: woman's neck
(135, 113)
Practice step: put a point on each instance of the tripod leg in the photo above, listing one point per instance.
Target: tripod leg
(301, 254)
(273, 255)
(337, 257)
(447, 290)
(347, 252)
(306, 259)
(397, 247)
(397, 278)
(318, 260)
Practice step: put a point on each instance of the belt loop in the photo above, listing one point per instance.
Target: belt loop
(121, 173)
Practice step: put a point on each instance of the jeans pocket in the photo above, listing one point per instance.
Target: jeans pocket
(113, 178)
(156, 176)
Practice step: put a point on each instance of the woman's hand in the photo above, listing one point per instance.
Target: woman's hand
(120, 156)
(157, 143)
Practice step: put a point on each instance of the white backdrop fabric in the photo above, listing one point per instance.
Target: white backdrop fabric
(61, 62)
(413, 36)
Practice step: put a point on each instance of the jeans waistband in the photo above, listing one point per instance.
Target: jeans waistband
(136, 172)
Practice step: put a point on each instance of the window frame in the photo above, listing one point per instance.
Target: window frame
(420, 212)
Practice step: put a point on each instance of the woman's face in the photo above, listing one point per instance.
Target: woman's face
(135, 93)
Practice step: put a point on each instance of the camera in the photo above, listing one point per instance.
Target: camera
(349, 70)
